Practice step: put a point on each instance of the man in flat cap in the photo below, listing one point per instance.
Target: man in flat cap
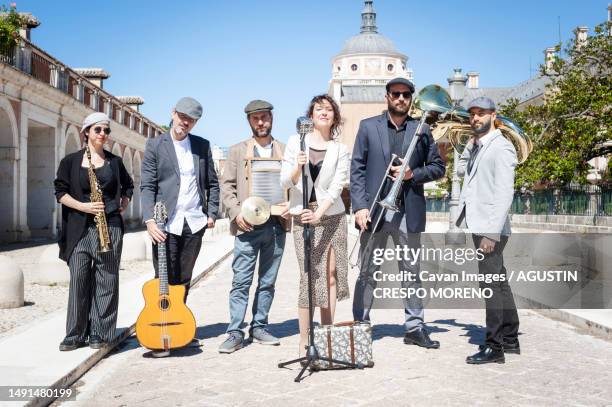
(378, 138)
(178, 170)
(266, 240)
(487, 165)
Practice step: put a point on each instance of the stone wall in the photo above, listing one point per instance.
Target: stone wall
(561, 223)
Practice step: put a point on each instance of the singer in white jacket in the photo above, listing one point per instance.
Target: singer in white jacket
(327, 170)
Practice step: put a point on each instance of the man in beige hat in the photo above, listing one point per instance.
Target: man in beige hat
(267, 240)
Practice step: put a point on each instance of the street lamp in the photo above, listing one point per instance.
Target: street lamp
(454, 235)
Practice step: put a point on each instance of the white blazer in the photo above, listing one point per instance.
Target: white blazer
(487, 192)
(332, 178)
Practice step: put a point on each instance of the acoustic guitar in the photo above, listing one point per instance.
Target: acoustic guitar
(165, 322)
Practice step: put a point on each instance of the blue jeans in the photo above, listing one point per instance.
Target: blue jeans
(268, 241)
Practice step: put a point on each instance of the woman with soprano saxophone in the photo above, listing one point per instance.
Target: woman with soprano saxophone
(94, 188)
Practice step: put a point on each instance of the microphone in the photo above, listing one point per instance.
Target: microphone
(304, 126)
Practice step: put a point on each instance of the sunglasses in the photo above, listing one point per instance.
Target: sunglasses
(99, 129)
(396, 95)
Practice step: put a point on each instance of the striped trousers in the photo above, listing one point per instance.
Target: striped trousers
(93, 297)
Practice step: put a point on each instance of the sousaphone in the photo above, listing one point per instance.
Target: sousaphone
(453, 122)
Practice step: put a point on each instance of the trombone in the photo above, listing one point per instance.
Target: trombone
(449, 123)
(430, 99)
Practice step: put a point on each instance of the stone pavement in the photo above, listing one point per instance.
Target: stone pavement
(559, 365)
(29, 356)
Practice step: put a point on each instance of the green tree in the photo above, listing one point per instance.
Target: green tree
(10, 23)
(575, 120)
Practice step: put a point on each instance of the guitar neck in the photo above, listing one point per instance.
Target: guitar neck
(162, 265)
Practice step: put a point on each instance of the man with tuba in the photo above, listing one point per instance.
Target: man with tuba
(488, 164)
(266, 240)
(377, 140)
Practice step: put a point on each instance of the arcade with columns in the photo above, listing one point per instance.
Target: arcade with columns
(42, 103)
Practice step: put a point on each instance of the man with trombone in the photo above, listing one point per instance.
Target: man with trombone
(376, 162)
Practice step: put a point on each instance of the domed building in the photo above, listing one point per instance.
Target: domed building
(361, 70)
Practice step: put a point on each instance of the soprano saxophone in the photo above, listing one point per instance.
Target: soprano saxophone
(96, 196)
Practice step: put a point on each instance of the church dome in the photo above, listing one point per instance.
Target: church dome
(369, 41)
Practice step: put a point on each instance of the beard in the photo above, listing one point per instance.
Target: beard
(484, 129)
(398, 111)
(261, 133)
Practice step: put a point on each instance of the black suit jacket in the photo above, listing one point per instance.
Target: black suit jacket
(371, 156)
(160, 179)
(74, 223)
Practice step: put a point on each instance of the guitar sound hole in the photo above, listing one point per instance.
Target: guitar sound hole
(164, 303)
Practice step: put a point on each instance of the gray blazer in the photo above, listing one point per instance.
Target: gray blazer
(160, 178)
(487, 193)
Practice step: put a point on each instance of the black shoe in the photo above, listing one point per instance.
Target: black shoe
(512, 347)
(71, 344)
(195, 343)
(486, 355)
(421, 338)
(509, 347)
(95, 342)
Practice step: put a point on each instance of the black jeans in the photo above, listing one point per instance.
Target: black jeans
(181, 254)
(501, 316)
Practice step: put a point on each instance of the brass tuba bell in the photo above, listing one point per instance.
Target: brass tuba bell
(453, 122)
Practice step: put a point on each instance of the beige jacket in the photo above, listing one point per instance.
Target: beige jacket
(234, 182)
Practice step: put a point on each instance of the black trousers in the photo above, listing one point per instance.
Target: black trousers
(501, 316)
(93, 296)
(181, 254)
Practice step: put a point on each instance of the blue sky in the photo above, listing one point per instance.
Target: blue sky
(226, 53)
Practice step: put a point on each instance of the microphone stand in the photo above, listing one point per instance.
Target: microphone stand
(305, 126)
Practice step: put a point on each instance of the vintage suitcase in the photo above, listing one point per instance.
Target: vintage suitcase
(346, 341)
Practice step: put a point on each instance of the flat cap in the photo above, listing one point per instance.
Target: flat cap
(190, 107)
(400, 81)
(94, 118)
(258, 106)
(482, 102)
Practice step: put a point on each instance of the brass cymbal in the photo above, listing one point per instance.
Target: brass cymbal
(255, 210)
